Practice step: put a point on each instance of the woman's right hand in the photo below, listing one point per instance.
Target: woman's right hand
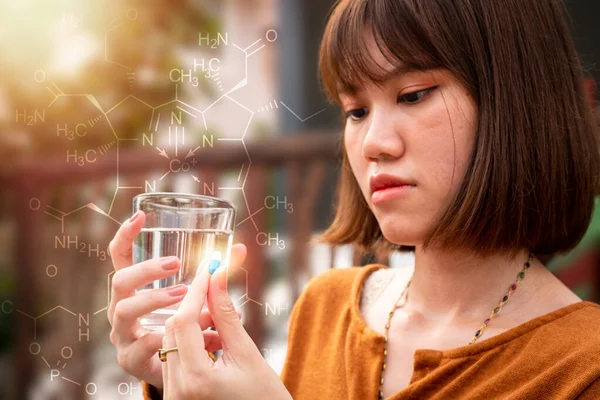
(137, 347)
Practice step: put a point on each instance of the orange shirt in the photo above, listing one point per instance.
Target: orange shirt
(333, 354)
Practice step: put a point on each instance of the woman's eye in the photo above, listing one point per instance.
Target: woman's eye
(415, 97)
(357, 114)
(410, 98)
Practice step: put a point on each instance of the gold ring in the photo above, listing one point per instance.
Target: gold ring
(162, 353)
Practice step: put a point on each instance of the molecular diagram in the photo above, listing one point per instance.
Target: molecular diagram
(172, 133)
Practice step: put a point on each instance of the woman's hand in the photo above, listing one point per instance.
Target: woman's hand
(137, 347)
(240, 373)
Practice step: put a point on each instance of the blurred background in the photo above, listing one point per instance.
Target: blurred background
(103, 100)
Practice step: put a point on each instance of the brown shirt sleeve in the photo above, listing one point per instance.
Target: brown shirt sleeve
(150, 392)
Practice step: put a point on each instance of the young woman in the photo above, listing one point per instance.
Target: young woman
(468, 140)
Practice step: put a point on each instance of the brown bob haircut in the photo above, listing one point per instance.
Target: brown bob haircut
(533, 175)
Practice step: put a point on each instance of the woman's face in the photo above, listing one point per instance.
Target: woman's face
(417, 126)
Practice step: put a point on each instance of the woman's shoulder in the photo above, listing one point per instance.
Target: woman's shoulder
(575, 329)
(567, 348)
(570, 329)
(332, 290)
(566, 338)
(337, 283)
(579, 323)
(574, 326)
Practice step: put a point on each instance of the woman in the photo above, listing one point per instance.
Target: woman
(467, 140)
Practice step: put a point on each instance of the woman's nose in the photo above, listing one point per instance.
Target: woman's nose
(383, 139)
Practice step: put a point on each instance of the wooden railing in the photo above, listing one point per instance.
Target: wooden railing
(305, 158)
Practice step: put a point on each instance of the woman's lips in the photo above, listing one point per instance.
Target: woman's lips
(389, 193)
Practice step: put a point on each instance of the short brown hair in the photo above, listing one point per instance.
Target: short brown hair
(533, 174)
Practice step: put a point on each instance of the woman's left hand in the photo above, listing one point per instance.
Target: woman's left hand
(240, 373)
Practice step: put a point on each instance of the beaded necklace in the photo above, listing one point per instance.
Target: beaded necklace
(477, 335)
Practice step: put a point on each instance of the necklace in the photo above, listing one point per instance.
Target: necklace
(477, 335)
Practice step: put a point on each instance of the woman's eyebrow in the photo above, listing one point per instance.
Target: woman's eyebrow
(399, 71)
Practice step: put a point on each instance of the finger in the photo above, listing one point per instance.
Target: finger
(121, 245)
(171, 367)
(125, 281)
(126, 323)
(212, 340)
(142, 354)
(165, 372)
(233, 336)
(128, 311)
(206, 320)
(186, 323)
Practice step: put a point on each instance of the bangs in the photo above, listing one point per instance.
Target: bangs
(346, 61)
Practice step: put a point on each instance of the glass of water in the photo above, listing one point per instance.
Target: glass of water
(192, 227)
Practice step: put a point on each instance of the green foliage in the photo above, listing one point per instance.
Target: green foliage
(91, 47)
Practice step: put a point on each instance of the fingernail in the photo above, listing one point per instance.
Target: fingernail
(177, 290)
(169, 263)
(134, 216)
(214, 262)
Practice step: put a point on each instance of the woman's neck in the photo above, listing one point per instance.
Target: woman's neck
(460, 287)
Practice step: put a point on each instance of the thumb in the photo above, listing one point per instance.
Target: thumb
(233, 336)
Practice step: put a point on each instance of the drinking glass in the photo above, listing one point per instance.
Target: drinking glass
(192, 227)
